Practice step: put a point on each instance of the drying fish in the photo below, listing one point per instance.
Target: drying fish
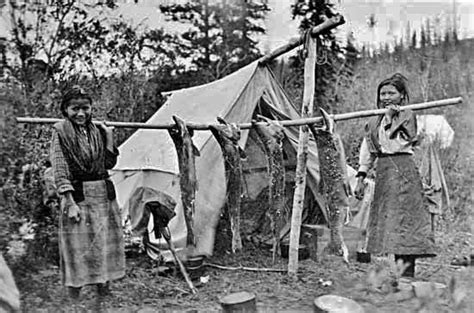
(333, 171)
(182, 138)
(271, 134)
(228, 136)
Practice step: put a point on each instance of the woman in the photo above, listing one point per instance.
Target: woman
(90, 232)
(399, 221)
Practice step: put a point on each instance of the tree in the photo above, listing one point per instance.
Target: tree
(414, 41)
(222, 37)
(424, 41)
(72, 37)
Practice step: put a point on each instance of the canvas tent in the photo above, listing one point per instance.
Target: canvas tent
(148, 158)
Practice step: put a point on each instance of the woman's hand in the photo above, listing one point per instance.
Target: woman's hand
(74, 213)
(70, 206)
(359, 189)
(109, 135)
(392, 110)
(109, 131)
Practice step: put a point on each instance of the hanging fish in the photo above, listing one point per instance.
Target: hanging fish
(271, 134)
(333, 171)
(187, 151)
(228, 136)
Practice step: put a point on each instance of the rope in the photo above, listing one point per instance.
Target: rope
(304, 51)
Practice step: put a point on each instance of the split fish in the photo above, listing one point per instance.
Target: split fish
(333, 171)
(271, 134)
(187, 151)
(228, 136)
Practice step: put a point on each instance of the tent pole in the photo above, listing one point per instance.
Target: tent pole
(302, 156)
(325, 26)
(286, 123)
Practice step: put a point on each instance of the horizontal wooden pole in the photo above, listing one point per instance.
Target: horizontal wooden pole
(298, 122)
(325, 26)
(374, 112)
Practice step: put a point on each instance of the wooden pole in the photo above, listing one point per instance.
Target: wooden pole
(302, 155)
(286, 123)
(325, 26)
(167, 235)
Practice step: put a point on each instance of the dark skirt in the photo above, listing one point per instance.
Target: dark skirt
(399, 221)
(92, 251)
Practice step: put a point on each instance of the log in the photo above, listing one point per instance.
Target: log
(228, 136)
(325, 26)
(272, 135)
(336, 304)
(186, 151)
(302, 156)
(285, 123)
(239, 302)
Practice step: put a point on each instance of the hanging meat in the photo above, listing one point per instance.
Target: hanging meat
(182, 139)
(333, 171)
(271, 134)
(228, 136)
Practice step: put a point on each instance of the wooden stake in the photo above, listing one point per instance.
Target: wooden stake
(302, 155)
(167, 235)
(286, 123)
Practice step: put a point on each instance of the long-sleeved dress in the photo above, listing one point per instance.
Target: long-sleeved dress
(399, 220)
(91, 251)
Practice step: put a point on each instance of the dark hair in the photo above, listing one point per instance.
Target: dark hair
(75, 92)
(398, 81)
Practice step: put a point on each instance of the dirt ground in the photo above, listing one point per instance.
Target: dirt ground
(146, 289)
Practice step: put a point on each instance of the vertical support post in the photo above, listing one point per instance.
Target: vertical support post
(302, 156)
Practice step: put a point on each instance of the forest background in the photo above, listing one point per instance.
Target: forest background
(127, 70)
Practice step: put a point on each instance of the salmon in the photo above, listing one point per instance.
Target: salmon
(333, 171)
(271, 134)
(187, 151)
(228, 136)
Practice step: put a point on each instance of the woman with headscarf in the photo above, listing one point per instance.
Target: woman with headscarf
(399, 221)
(90, 232)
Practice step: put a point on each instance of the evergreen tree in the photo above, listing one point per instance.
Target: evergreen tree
(414, 41)
(423, 38)
(428, 33)
(222, 37)
(398, 49)
(455, 37)
(351, 53)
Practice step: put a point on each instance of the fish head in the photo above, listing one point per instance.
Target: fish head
(271, 128)
(228, 130)
(328, 121)
(180, 125)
